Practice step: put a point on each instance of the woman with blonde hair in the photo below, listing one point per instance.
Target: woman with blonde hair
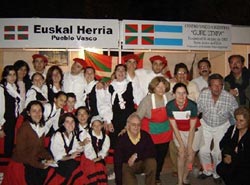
(152, 111)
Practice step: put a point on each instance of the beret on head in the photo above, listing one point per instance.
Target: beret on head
(96, 118)
(158, 57)
(35, 56)
(80, 61)
(131, 56)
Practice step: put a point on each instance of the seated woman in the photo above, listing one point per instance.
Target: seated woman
(235, 147)
(65, 147)
(30, 149)
(96, 146)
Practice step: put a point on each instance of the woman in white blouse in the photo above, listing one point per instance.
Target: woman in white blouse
(65, 146)
(12, 98)
(38, 90)
(23, 80)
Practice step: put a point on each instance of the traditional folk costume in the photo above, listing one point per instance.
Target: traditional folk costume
(12, 99)
(98, 147)
(28, 156)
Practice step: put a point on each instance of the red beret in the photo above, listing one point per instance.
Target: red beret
(131, 56)
(158, 57)
(80, 61)
(35, 56)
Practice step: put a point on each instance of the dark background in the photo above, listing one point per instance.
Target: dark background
(236, 12)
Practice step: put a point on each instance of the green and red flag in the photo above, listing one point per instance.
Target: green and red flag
(22, 36)
(147, 28)
(147, 40)
(131, 40)
(103, 64)
(131, 28)
(9, 28)
(22, 28)
(9, 36)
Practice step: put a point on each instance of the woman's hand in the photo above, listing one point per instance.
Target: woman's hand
(110, 127)
(97, 159)
(74, 155)
(123, 131)
(47, 163)
(84, 142)
(227, 159)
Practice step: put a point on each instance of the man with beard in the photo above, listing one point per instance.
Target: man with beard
(238, 81)
(204, 67)
(146, 75)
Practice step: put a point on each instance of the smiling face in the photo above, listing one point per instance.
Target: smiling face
(241, 122)
(236, 65)
(56, 76)
(131, 64)
(35, 113)
(11, 77)
(22, 72)
(60, 101)
(71, 102)
(82, 116)
(182, 75)
(134, 126)
(120, 73)
(204, 69)
(160, 89)
(76, 68)
(97, 126)
(38, 80)
(89, 75)
(39, 65)
(157, 66)
(180, 95)
(69, 124)
(216, 87)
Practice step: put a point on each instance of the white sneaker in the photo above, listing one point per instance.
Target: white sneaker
(111, 176)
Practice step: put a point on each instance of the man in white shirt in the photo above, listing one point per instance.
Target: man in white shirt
(145, 76)
(39, 64)
(131, 61)
(75, 82)
(204, 67)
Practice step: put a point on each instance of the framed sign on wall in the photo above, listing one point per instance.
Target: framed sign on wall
(59, 58)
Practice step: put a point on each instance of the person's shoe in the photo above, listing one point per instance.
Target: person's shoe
(174, 174)
(157, 182)
(217, 180)
(111, 176)
(186, 182)
(203, 176)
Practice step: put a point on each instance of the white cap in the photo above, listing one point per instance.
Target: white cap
(96, 118)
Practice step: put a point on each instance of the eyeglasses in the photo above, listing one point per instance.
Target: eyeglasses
(181, 73)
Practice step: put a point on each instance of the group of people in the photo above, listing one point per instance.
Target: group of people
(71, 122)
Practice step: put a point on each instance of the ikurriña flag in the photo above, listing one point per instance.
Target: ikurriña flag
(102, 64)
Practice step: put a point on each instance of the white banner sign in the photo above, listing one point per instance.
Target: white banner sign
(175, 35)
(59, 33)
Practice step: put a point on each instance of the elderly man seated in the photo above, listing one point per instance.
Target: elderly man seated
(135, 154)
